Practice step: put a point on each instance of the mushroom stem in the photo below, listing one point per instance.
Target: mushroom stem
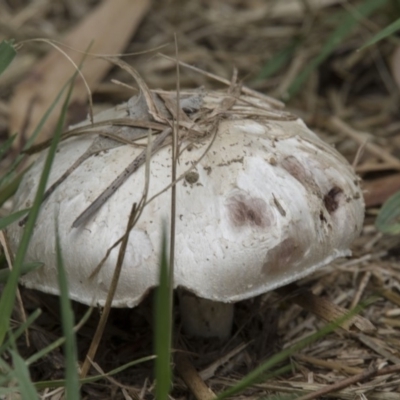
(205, 318)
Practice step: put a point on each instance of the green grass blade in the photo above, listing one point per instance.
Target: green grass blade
(20, 330)
(8, 392)
(7, 54)
(10, 188)
(67, 318)
(345, 27)
(388, 220)
(8, 296)
(384, 33)
(57, 343)
(9, 219)
(6, 373)
(21, 374)
(26, 268)
(61, 382)
(162, 326)
(7, 145)
(279, 60)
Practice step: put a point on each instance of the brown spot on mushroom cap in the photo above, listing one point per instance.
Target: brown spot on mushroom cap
(331, 199)
(245, 210)
(281, 257)
(295, 168)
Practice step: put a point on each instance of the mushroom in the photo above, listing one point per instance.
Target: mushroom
(262, 202)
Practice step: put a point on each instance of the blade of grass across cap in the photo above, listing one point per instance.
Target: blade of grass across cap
(346, 24)
(21, 374)
(9, 292)
(258, 373)
(7, 54)
(26, 268)
(388, 220)
(10, 188)
(67, 319)
(384, 33)
(162, 325)
(9, 219)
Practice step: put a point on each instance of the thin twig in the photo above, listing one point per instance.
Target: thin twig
(119, 180)
(192, 378)
(110, 296)
(244, 89)
(338, 125)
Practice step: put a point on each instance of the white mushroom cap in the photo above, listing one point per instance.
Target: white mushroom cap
(267, 204)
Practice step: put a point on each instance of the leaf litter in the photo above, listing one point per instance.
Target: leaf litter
(349, 94)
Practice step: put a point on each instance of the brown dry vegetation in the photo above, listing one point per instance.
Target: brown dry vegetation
(350, 99)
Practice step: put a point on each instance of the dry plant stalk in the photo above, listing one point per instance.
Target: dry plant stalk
(192, 378)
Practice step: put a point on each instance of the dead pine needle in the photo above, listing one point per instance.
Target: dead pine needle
(107, 307)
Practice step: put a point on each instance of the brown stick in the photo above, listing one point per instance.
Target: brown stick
(192, 378)
(119, 180)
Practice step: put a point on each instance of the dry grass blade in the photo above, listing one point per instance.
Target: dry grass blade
(107, 307)
(143, 87)
(175, 154)
(209, 371)
(391, 296)
(350, 381)
(333, 365)
(374, 344)
(96, 128)
(192, 378)
(132, 390)
(129, 170)
(273, 102)
(337, 124)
